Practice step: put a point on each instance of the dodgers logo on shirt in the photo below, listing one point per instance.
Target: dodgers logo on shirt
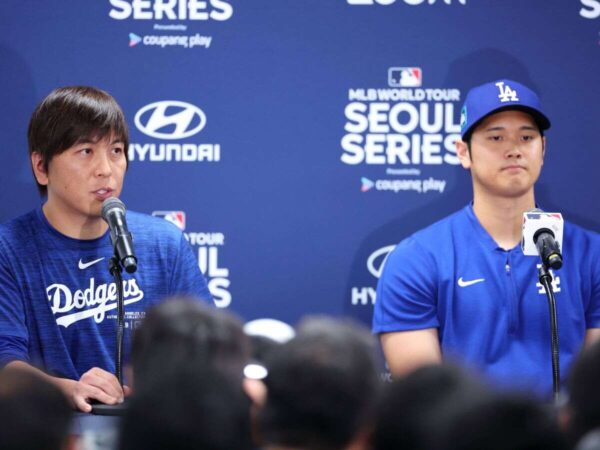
(70, 306)
(555, 282)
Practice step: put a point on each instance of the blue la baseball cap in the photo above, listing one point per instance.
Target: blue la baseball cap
(499, 96)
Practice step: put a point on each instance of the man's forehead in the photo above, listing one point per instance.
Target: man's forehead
(97, 136)
(510, 117)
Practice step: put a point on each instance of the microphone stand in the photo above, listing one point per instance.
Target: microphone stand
(546, 280)
(115, 269)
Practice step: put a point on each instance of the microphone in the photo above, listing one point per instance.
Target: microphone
(113, 213)
(542, 235)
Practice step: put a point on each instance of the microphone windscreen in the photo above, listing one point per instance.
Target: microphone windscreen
(110, 204)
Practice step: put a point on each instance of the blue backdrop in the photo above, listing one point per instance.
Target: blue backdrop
(298, 141)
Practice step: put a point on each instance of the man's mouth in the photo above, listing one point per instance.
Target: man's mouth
(103, 192)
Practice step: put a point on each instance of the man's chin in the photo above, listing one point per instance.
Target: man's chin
(517, 190)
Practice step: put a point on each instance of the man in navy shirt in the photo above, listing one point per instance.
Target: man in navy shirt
(461, 289)
(57, 298)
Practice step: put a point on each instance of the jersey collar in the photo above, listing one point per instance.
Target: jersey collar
(481, 234)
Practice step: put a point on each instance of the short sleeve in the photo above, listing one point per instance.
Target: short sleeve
(13, 325)
(407, 290)
(186, 277)
(592, 313)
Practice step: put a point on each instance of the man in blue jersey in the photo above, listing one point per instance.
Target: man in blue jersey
(462, 290)
(57, 298)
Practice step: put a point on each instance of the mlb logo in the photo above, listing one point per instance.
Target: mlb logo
(405, 77)
(175, 217)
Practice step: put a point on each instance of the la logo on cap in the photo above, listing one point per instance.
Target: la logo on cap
(506, 93)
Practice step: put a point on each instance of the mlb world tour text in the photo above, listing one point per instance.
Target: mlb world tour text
(401, 126)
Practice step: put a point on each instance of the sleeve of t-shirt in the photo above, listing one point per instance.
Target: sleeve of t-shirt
(592, 313)
(13, 325)
(407, 290)
(186, 277)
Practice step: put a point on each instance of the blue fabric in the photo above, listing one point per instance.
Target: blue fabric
(496, 96)
(62, 318)
(499, 326)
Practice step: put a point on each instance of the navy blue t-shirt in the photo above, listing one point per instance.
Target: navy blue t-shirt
(486, 302)
(58, 299)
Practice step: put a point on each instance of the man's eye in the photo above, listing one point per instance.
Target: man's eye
(85, 151)
(496, 138)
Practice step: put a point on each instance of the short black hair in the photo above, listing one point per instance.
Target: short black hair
(584, 392)
(500, 422)
(34, 414)
(407, 416)
(322, 387)
(188, 409)
(72, 114)
(185, 331)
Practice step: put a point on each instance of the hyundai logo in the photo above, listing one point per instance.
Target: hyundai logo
(374, 265)
(170, 119)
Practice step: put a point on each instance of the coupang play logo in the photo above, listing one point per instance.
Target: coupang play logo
(169, 23)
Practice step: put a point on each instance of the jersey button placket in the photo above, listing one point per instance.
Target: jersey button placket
(511, 295)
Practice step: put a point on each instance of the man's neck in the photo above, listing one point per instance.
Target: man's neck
(502, 218)
(73, 225)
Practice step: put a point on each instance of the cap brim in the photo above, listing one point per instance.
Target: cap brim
(540, 119)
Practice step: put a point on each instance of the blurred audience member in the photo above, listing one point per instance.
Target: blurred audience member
(182, 332)
(322, 389)
(583, 409)
(34, 414)
(499, 422)
(407, 416)
(188, 409)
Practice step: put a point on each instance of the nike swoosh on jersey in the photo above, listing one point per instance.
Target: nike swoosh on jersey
(463, 283)
(83, 265)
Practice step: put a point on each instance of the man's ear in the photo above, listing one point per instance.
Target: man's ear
(463, 154)
(39, 171)
(543, 149)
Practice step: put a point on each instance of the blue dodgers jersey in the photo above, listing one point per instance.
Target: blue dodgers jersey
(491, 312)
(58, 300)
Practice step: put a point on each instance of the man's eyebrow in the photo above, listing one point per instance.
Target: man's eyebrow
(84, 140)
(498, 128)
(529, 127)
